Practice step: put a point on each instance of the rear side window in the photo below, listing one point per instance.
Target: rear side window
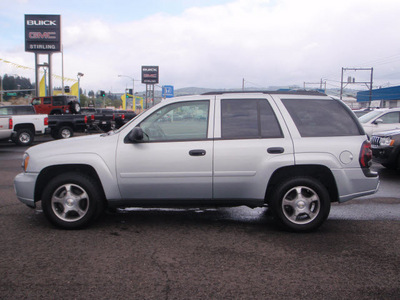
(248, 118)
(318, 118)
(58, 101)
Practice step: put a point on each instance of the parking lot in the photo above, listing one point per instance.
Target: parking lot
(210, 253)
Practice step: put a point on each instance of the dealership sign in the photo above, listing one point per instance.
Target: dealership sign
(43, 33)
(150, 74)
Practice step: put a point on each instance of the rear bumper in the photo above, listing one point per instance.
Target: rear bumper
(24, 185)
(352, 183)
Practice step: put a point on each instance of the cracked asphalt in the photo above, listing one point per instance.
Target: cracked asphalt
(226, 253)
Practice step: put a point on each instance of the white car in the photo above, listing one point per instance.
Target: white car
(380, 120)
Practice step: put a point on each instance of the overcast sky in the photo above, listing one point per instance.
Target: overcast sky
(212, 43)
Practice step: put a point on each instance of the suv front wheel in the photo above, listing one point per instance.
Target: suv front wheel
(301, 204)
(72, 200)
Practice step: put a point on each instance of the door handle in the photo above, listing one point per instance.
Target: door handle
(197, 152)
(275, 150)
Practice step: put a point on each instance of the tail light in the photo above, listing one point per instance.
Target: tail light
(92, 117)
(85, 119)
(366, 155)
(123, 117)
(10, 123)
(46, 121)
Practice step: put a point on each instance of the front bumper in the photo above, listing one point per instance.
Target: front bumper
(24, 186)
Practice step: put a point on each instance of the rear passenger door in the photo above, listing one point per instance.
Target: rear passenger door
(251, 142)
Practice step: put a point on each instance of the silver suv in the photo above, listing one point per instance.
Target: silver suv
(295, 152)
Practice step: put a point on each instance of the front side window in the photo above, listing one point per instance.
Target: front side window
(248, 118)
(36, 102)
(177, 122)
(321, 117)
(390, 118)
(46, 100)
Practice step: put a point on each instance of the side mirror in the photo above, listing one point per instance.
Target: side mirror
(136, 135)
(378, 121)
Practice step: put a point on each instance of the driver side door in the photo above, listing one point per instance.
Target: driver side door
(174, 161)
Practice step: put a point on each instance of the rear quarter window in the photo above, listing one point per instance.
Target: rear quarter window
(322, 118)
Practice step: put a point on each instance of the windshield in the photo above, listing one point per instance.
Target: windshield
(369, 116)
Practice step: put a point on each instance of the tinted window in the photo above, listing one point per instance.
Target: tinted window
(317, 118)
(5, 111)
(178, 121)
(390, 118)
(58, 101)
(46, 100)
(24, 110)
(248, 118)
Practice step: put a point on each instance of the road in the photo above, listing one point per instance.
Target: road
(200, 253)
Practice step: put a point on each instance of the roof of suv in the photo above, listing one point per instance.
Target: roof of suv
(298, 92)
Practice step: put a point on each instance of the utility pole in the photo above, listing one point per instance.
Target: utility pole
(353, 81)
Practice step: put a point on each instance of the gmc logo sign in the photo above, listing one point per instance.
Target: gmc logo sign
(42, 35)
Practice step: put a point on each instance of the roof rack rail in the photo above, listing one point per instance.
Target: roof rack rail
(293, 92)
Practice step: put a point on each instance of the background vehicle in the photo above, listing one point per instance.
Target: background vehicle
(104, 118)
(380, 120)
(295, 152)
(64, 126)
(386, 148)
(56, 105)
(122, 117)
(21, 129)
(17, 110)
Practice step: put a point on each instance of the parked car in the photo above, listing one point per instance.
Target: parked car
(295, 152)
(386, 148)
(380, 120)
(56, 105)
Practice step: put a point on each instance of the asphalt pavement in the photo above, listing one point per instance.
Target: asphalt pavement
(224, 253)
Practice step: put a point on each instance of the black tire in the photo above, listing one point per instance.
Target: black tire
(75, 107)
(24, 137)
(54, 134)
(72, 201)
(65, 132)
(300, 204)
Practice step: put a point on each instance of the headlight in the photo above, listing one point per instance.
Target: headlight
(25, 161)
(386, 141)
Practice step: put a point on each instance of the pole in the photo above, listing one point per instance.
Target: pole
(370, 87)
(37, 83)
(50, 75)
(62, 69)
(341, 86)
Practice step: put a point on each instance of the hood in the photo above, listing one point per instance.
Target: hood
(387, 132)
(74, 145)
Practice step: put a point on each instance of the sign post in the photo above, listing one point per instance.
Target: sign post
(150, 77)
(43, 36)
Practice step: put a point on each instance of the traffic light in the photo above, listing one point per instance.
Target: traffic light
(67, 89)
(102, 93)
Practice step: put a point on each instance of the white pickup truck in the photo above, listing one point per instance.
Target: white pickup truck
(21, 129)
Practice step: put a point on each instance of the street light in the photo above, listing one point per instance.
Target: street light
(79, 89)
(133, 85)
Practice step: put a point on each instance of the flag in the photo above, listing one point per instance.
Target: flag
(42, 87)
(75, 90)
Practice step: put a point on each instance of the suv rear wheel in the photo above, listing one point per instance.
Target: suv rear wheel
(301, 204)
